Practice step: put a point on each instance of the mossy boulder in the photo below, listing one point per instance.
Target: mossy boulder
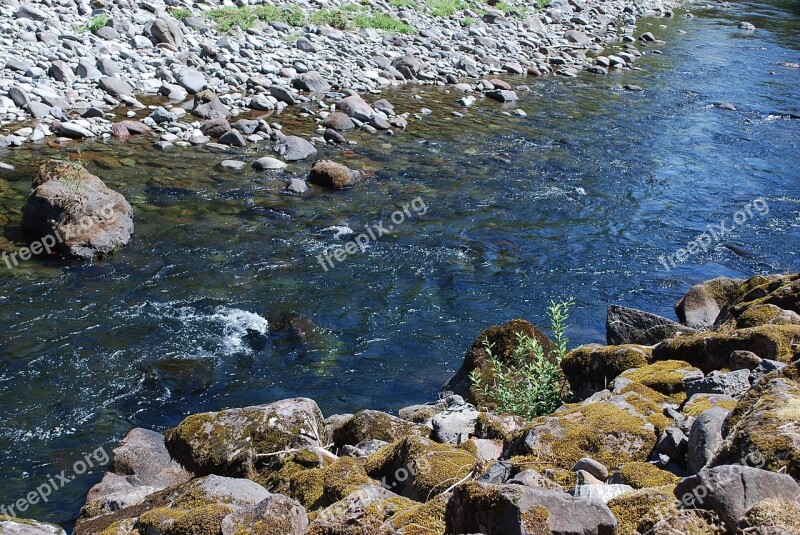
(422, 519)
(642, 475)
(764, 427)
(495, 427)
(275, 515)
(772, 517)
(521, 510)
(366, 510)
(711, 351)
(700, 403)
(375, 425)
(18, 526)
(196, 507)
(329, 174)
(653, 510)
(590, 369)
(230, 442)
(611, 433)
(666, 377)
(420, 469)
(761, 300)
(504, 339)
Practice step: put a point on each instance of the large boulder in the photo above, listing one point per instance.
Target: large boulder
(522, 510)
(338, 121)
(197, 506)
(591, 368)
(367, 509)
(312, 82)
(164, 30)
(375, 425)
(275, 514)
(702, 304)
(630, 326)
(731, 490)
(18, 526)
(115, 87)
(613, 432)
(770, 300)
(329, 174)
(207, 105)
(76, 211)
(355, 107)
(233, 442)
(503, 339)
(294, 148)
(705, 438)
(711, 351)
(141, 465)
(667, 377)
(420, 469)
(764, 428)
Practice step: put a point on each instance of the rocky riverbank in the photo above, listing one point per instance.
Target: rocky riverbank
(77, 69)
(678, 427)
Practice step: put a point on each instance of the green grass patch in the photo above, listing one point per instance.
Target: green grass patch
(446, 8)
(348, 17)
(97, 22)
(181, 13)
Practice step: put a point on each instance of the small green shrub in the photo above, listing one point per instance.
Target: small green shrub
(97, 22)
(446, 8)
(467, 22)
(402, 3)
(181, 13)
(335, 18)
(246, 17)
(533, 383)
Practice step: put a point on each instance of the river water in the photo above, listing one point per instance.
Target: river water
(580, 198)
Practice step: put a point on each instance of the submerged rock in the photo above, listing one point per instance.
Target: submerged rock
(76, 211)
(329, 174)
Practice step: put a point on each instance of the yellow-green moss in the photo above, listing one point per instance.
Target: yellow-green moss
(343, 477)
(765, 314)
(764, 425)
(535, 520)
(773, 516)
(641, 475)
(423, 519)
(665, 377)
(435, 466)
(652, 411)
(591, 368)
(700, 403)
(638, 511)
(711, 351)
(599, 430)
(203, 520)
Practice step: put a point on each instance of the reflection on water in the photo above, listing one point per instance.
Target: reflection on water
(220, 301)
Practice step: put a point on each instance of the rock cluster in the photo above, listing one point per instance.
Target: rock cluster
(70, 65)
(664, 446)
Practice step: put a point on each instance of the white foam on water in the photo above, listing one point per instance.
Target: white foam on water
(339, 230)
(236, 324)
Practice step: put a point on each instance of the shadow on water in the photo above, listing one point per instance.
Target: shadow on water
(221, 299)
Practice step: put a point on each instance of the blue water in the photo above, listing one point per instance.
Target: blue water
(580, 198)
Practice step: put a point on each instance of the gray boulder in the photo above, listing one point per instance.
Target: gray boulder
(191, 80)
(734, 384)
(356, 107)
(603, 493)
(731, 490)
(455, 424)
(115, 86)
(702, 304)
(18, 526)
(520, 510)
(164, 30)
(338, 121)
(630, 326)
(312, 81)
(705, 438)
(86, 218)
(294, 148)
(277, 513)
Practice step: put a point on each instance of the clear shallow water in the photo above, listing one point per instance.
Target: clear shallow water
(579, 199)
